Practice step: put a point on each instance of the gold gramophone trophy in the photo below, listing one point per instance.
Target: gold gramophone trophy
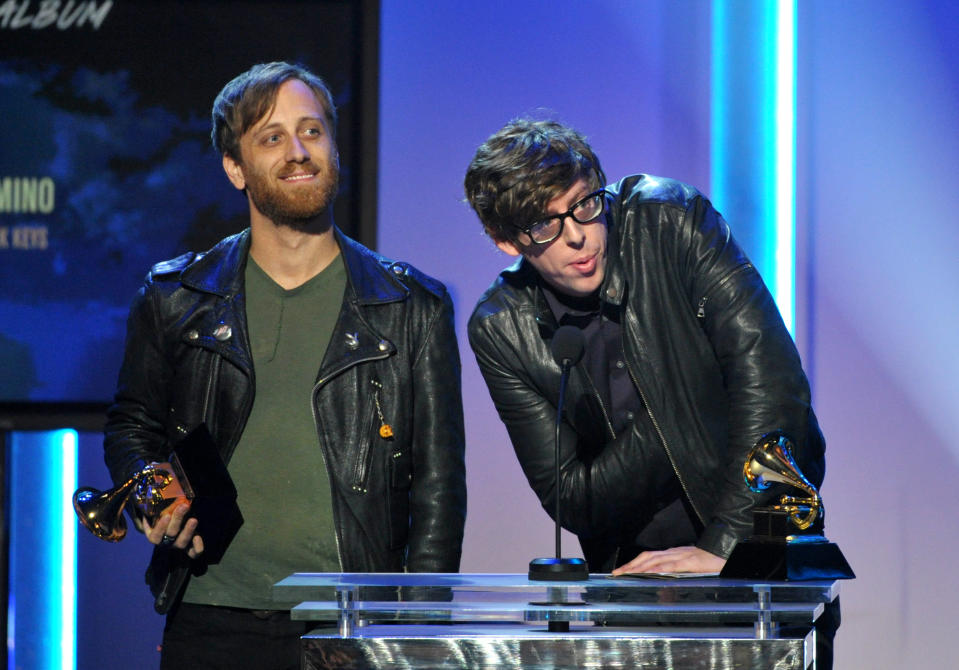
(788, 542)
(152, 491)
(194, 474)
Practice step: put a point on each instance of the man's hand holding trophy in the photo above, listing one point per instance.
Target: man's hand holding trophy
(154, 491)
(191, 491)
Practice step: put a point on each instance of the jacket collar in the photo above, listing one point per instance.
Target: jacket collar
(220, 270)
(525, 280)
(613, 288)
(372, 278)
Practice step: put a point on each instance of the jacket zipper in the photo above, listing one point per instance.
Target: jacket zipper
(609, 424)
(316, 423)
(701, 310)
(211, 383)
(361, 467)
(659, 432)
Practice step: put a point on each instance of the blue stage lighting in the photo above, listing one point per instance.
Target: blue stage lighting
(753, 135)
(41, 611)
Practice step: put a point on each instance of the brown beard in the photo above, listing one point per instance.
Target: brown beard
(299, 209)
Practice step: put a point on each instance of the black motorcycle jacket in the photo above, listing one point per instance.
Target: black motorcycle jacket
(398, 503)
(706, 348)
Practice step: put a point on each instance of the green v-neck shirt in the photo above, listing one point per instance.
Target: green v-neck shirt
(283, 489)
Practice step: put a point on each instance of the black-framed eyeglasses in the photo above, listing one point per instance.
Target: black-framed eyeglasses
(584, 210)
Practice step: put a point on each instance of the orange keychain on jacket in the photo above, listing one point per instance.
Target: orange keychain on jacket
(386, 430)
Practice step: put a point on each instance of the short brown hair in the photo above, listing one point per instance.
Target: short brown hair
(249, 96)
(523, 166)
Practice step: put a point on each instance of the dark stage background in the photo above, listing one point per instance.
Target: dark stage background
(106, 166)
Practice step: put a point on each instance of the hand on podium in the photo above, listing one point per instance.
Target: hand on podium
(675, 559)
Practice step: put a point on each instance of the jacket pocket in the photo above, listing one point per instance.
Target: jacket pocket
(364, 457)
(378, 431)
(193, 399)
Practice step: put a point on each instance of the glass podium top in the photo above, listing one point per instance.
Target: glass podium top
(513, 580)
(307, 585)
(356, 599)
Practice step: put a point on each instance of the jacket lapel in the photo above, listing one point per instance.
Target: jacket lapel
(219, 272)
(371, 280)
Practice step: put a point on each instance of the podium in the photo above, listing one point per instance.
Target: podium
(487, 621)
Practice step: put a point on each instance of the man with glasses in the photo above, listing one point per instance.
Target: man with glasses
(687, 362)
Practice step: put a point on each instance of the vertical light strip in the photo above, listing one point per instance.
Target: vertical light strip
(753, 135)
(786, 161)
(41, 625)
(68, 546)
(718, 127)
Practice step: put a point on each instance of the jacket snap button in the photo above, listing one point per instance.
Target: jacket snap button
(611, 292)
(192, 335)
(398, 269)
(383, 345)
(223, 332)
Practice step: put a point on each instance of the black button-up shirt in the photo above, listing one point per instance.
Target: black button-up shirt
(605, 364)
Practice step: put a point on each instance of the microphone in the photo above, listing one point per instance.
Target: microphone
(567, 349)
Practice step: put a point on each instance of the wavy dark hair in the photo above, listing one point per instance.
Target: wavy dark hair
(521, 168)
(250, 96)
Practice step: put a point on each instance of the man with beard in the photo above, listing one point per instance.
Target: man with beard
(327, 376)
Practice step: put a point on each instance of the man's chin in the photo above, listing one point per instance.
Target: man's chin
(304, 215)
(582, 287)
(310, 222)
(301, 208)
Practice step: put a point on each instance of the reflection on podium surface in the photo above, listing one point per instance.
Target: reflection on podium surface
(502, 621)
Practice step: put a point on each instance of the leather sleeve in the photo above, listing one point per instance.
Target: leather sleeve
(135, 433)
(765, 385)
(438, 491)
(601, 492)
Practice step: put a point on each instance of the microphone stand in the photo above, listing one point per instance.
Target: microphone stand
(557, 568)
(567, 349)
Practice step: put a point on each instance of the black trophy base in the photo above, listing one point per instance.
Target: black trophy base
(774, 523)
(558, 570)
(786, 561)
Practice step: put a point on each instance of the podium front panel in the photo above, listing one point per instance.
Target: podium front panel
(437, 620)
(504, 647)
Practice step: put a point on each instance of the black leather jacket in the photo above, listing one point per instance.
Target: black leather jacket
(705, 346)
(398, 503)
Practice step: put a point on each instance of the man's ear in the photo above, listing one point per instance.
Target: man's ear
(234, 172)
(508, 247)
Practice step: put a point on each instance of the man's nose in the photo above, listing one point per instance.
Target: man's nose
(573, 233)
(296, 151)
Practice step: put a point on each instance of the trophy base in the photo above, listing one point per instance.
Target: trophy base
(210, 490)
(781, 560)
(774, 523)
(558, 569)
